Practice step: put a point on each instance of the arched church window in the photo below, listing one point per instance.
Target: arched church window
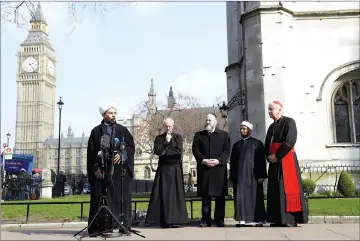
(147, 173)
(346, 102)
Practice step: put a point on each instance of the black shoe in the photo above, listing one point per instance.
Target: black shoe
(279, 225)
(220, 224)
(204, 224)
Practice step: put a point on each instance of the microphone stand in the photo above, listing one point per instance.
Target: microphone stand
(104, 204)
(123, 232)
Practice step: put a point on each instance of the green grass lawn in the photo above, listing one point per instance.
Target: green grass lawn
(71, 212)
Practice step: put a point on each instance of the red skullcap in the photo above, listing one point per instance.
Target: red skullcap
(278, 103)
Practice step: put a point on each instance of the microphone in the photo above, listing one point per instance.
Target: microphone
(105, 142)
(123, 144)
(120, 146)
(123, 150)
(99, 174)
(116, 145)
(104, 145)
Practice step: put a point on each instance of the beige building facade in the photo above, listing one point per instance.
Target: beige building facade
(73, 153)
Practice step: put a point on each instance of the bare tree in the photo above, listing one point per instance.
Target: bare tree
(187, 114)
(19, 13)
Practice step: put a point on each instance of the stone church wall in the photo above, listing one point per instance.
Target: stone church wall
(295, 58)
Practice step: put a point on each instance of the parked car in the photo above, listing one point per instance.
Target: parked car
(86, 188)
(67, 190)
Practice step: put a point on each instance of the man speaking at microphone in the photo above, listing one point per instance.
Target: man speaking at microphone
(110, 178)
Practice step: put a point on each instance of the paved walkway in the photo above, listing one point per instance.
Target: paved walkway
(303, 232)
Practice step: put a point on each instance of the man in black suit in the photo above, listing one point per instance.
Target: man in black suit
(211, 149)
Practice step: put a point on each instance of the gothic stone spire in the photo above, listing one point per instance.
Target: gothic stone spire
(38, 15)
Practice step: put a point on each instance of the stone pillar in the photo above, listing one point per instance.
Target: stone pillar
(46, 187)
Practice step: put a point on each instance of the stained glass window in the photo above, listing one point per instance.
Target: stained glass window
(347, 112)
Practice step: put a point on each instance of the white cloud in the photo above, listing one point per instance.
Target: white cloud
(205, 85)
(144, 7)
(55, 13)
(65, 20)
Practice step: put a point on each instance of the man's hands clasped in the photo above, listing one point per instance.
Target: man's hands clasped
(272, 158)
(210, 162)
(117, 159)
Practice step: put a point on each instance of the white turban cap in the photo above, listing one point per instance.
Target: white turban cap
(247, 124)
(106, 107)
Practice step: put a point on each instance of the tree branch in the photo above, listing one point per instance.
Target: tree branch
(19, 13)
(186, 113)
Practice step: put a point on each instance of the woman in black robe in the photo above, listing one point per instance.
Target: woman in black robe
(167, 206)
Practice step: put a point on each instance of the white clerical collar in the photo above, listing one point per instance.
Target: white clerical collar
(211, 131)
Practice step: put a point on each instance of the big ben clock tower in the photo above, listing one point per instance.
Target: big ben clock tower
(36, 83)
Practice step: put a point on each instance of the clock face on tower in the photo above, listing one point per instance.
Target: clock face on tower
(30, 64)
(51, 68)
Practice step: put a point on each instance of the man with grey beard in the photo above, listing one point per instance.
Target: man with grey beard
(211, 149)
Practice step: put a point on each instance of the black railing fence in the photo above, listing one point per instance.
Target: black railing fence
(338, 168)
(66, 184)
(21, 187)
(142, 186)
(320, 172)
(78, 184)
(135, 210)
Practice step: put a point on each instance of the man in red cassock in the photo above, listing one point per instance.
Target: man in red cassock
(285, 197)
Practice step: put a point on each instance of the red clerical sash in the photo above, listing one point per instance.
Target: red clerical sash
(291, 185)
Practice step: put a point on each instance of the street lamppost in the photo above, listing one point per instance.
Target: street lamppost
(238, 99)
(224, 110)
(60, 104)
(8, 138)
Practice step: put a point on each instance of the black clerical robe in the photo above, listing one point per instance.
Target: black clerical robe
(167, 204)
(112, 185)
(285, 196)
(247, 166)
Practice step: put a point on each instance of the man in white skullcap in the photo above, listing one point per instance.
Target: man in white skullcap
(247, 174)
(107, 181)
